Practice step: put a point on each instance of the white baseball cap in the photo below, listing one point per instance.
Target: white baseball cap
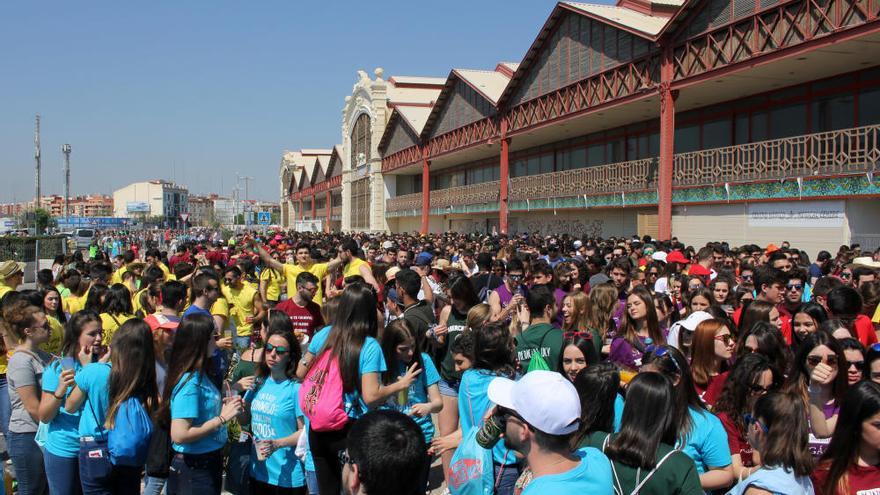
(659, 256)
(695, 319)
(544, 399)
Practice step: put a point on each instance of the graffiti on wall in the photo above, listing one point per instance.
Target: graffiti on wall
(572, 226)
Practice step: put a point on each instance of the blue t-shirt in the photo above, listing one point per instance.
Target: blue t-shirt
(196, 398)
(195, 310)
(618, 412)
(592, 476)
(94, 381)
(473, 402)
(274, 413)
(371, 360)
(416, 394)
(63, 431)
(707, 442)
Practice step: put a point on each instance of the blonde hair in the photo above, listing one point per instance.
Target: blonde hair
(478, 316)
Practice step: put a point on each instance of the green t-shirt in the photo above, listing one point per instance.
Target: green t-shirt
(676, 476)
(543, 336)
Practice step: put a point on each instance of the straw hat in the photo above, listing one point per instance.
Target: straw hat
(9, 268)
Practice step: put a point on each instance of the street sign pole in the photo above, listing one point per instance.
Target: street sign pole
(185, 217)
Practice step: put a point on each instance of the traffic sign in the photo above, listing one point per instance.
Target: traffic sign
(184, 217)
(264, 218)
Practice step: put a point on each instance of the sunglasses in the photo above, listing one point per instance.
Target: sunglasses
(759, 390)
(280, 350)
(830, 360)
(660, 351)
(344, 458)
(748, 277)
(726, 338)
(515, 278)
(797, 287)
(750, 420)
(858, 364)
(582, 335)
(846, 276)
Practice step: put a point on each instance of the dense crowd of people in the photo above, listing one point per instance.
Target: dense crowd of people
(294, 363)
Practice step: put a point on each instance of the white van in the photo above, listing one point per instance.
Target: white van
(83, 237)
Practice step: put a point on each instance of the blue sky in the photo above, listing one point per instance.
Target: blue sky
(205, 89)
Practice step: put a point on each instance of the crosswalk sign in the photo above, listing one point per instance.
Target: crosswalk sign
(264, 218)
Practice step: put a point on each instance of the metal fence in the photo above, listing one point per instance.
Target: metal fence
(25, 248)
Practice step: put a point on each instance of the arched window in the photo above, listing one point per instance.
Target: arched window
(360, 161)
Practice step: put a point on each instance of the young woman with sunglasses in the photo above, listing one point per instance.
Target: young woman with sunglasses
(851, 464)
(639, 326)
(854, 353)
(422, 398)
(712, 350)
(642, 455)
(275, 417)
(576, 309)
(816, 378)
(777, 430)
(700, 434)
(752, 376)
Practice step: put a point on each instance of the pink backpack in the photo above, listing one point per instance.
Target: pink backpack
(321, 395)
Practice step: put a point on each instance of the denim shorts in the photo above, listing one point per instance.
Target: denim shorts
(449, 389)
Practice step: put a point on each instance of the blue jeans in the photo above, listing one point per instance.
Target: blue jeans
(5, 406)
(505, 478)
(62, 474)
(241, 343)
(27, 459)
(196, 474)
(99, 477)
(312, 482)
(153, 485)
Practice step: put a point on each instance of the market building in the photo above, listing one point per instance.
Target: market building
(701, 119)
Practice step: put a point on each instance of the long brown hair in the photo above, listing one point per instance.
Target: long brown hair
(134, 368)
(604, 301)
(582, 306)
(189, 354)
(785, 418)
(355, 322)
(629, 331)
(703, 351)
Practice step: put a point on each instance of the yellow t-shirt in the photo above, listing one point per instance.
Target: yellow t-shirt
(3, 290)
(876, 318)
(136, 300)
(353, 267)
(111, 325)
(116, 278)
(72, 304)
(241, 303)
(273, 283)
(319, 270)
(56, 336)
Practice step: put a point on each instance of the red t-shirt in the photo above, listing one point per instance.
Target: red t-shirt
(304, 319)
(862, 480)
(714, 388)
(865, 330)
(737, 441)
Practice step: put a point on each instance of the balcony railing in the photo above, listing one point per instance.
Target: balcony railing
(633, 175)
(404, 202)
(485, 192)
(826, 153)
(841, 152)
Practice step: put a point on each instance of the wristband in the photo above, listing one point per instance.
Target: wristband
(222, 420)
